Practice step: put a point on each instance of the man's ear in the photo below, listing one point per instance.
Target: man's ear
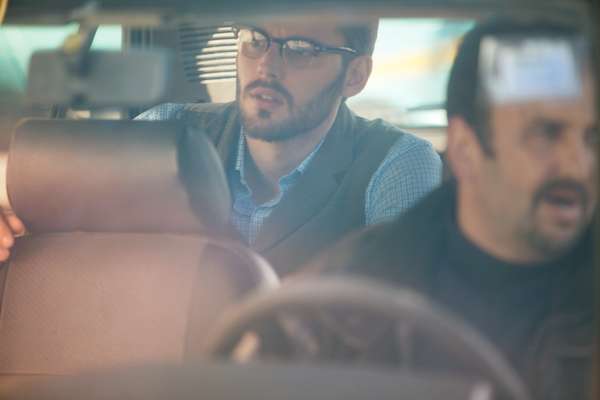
(357, 75)
(463, 150)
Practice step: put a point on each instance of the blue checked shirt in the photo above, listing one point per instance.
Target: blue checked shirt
(247, 216)
(410, 170)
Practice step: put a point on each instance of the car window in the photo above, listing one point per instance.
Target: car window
(411, 62)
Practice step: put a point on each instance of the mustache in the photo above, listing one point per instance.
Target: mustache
(561, 184)
(272, 85)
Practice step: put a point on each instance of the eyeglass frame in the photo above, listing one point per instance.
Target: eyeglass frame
(318, 47)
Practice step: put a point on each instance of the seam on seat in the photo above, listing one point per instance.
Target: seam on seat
(3, 275)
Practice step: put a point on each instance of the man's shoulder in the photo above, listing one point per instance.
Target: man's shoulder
(409, 152)
(186, 111)
(371, 252)
(377, 130)
(207, 109)
(411, 169)
(393, 248)
(161, 112)
(210, 118)
(354, 250)
(399, 142)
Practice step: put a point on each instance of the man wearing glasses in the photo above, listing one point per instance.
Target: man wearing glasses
(303, 169)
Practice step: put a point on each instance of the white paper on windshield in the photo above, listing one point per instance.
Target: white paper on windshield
(528, 69)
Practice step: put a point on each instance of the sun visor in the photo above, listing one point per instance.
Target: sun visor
(522, 69)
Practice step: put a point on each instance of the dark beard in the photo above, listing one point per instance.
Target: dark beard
(302, 120)
(541, 242)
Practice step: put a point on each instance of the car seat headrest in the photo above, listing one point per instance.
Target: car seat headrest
(116, 176)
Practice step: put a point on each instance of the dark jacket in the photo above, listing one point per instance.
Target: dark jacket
(554, 349)
(329, 199)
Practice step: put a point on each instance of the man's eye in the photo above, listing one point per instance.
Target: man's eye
(549, 131)
(251, 38)
(257, 43)
(300, 47)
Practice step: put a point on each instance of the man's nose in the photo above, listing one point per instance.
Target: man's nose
(271, 64)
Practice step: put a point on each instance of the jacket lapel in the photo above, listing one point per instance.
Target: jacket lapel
(316, 186)
(227, 143)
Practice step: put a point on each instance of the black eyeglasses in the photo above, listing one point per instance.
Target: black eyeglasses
(296, 51)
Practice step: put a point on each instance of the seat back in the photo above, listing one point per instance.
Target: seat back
(119, 267)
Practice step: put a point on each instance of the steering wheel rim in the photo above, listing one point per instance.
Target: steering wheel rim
(367, 296)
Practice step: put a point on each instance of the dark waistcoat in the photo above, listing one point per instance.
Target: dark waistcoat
(329, 199)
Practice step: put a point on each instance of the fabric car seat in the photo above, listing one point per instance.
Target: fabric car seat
(121, 264)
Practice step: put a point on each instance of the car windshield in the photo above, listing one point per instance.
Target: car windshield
(165, 210)
(411, 62)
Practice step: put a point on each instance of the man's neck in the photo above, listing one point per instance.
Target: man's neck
(487, 233)
(269, 161)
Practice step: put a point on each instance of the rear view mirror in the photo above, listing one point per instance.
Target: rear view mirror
(109, 79)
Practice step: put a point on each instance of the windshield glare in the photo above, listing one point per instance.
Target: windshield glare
(411, 62)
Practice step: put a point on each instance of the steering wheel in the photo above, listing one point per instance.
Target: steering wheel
(313, 314)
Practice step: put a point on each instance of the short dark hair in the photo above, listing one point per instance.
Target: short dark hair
(361, 36)
(464, 96)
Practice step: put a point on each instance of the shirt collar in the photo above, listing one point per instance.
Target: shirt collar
(241, 154)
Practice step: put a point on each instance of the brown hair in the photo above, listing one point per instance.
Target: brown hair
(361, 36)
(464, 96)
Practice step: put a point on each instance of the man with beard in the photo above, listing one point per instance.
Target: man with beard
(506, 245)
(303, 169)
